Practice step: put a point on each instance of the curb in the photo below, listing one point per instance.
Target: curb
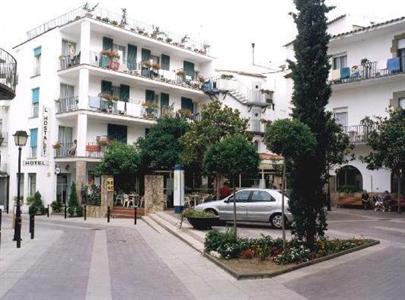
(242, 276)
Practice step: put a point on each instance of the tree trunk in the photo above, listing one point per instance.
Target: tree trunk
(399, 190)
(234, 207)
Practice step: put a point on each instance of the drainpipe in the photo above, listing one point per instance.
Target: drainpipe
(253, 54)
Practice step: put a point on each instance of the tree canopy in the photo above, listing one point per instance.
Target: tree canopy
(161, 147)
(216, 122)
(387, 141)
(120, 159)
(230, 157)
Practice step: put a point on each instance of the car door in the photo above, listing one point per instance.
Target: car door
(226, 208)
(260, 207)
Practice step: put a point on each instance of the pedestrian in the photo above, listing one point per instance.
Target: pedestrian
(224, 191)
(365, 199)
(387, 200)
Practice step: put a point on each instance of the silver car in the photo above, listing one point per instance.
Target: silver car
(252, 205)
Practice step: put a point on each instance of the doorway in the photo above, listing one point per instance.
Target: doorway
(62, 188)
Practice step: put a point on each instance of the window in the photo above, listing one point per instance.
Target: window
(188, 70)
(150, 96)
(187, 104)
(242, 196)
(33, 142)
(401, 54)
(402, 103)
(165, 62)
(132, 53)
(37, 60)
(261, 196)
(117, 133)
(340, 117)
(122, 52)
(35, 103)
(339, 62)
(32, 182)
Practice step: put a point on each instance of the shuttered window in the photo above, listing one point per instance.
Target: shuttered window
(106, 86)
(33, 137)
(165, 62)
(107, 43)
(124, 92)
(35, 95)
(187, 104)
(145, 54)
(164, 100)
(188, 69)
(132, 52)
(150, 96)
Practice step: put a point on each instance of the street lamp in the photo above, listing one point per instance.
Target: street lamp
(20, 139)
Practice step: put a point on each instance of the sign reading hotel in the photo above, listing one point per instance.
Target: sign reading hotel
(34, 162)
(45, 131)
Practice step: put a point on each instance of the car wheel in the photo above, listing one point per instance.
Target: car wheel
(276, 221)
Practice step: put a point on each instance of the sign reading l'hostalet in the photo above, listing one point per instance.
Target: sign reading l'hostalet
(45, 131)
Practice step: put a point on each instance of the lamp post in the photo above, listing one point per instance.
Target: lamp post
(20, 139)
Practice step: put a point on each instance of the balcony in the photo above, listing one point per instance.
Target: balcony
(68, 150)
(148, 33)
(8, 75)
(67, 104)
(366, 71)
(147, 72)
(358, 134)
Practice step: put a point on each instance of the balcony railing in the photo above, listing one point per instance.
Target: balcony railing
(129, 108)
(358, 134)
(65, 150)
(67, 104)
(8, 75)
(140, 69)
(365, 71)
(149, 31)
(94, 150)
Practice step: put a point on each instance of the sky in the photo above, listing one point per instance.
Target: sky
(230, 26)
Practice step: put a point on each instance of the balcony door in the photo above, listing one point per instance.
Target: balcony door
(341, 117)
(401, 53)
(65, 139)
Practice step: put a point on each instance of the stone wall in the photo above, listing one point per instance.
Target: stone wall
(154, 195)
(106, 200)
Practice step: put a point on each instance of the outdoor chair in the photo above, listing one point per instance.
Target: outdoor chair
(127, 201)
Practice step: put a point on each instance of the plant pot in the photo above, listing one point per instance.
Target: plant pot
(202, 223)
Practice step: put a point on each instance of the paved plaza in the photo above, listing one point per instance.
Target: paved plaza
(76, 259)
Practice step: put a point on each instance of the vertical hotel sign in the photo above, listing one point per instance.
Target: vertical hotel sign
(45, 131)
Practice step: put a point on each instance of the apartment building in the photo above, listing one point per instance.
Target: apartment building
(90, 76)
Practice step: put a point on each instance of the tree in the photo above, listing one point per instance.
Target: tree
(230, 157)
(216, 122)
(307, 176)
(73, 204)
(387, 141)
(161, 147)
(123, 162)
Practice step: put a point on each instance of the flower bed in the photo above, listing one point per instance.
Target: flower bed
(264, 257)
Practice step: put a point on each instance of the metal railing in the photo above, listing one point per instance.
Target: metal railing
(130, 108)
(362, 72)
(358, 133)
(149, 31)
(8, 75)
(94, 150)
(68, 61)
(67, 104)
(64, 150)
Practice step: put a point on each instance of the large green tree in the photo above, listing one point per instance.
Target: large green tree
(387, 141)
(230, 157)
(161, 147)
(311, 94)
(123, 162)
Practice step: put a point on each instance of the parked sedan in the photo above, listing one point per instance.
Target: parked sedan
(252, 205)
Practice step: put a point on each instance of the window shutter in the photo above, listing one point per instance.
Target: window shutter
(34, 137)
(150, 96)
(187, 104)
(131, 63)
(188, 69)
(145, 54)
(165, 62)
(107, 43)
(35, 95)
(106, 86)
(37, 51)
(124, 92)
(164, 100)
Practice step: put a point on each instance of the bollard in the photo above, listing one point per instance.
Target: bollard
(1, 212)
(32, 225)
(84, 212)
(135, 213)
(108, 214)
(65, 211)
(47, 212)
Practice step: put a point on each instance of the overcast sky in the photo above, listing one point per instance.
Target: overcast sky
(229, 25)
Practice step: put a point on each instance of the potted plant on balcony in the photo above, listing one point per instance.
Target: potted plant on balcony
(57, 146)
(200, 220)
(150, 109)
(102, 140)
(185, 113)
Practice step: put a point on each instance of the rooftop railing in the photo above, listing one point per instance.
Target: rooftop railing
(8, 75)
(106, 16)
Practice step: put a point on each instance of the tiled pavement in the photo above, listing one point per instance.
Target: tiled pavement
(76, 260)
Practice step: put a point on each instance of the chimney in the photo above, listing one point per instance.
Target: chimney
(253, 54)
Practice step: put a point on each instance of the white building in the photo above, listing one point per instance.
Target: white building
(89, 76)
(367, 76)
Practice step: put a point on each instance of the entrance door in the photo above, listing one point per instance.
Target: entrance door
(62, 188)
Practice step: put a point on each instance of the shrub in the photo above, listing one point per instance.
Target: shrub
(35, 204)
(294, 255)
(192, 213)
(56, 206)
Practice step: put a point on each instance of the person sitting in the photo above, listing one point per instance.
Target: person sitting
(224, 191)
